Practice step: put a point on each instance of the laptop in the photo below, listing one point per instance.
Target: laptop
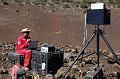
(33, 45)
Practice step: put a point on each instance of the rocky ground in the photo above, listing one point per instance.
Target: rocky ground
(111, 70)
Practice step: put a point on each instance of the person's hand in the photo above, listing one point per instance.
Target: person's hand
(28, 40)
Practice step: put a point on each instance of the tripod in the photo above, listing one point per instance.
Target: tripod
(98, 32)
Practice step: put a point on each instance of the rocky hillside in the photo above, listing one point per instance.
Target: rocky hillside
(67, 3)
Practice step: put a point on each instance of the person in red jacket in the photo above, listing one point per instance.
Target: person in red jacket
(22, 43)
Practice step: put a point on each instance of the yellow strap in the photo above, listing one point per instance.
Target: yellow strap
(35, 76)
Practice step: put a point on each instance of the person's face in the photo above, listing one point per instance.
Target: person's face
(26, 34)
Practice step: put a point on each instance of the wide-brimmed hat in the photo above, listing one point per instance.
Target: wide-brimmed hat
(25, 30)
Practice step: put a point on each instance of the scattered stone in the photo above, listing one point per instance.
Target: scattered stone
(115, 66)
(101, 65)
(67, 50)
(5, 3)
(88, 60)
(49, 76)
(106, 51)
(82, 64)
(17, 11)
(73, 50)
(0, 76)
(66, 60)
(60, 72)
(4, 59)
(5, 71)
(114, 74)
(111, 61)
(71, 58)
(1, 71)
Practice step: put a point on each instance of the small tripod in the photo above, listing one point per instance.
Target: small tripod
(98, 32)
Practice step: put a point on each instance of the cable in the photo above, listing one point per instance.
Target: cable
(85, 32)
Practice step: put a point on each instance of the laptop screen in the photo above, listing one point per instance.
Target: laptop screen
(33, 44)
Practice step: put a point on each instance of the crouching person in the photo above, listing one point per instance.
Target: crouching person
(18, 72)
(22, 43)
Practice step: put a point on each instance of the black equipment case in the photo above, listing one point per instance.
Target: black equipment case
(52, 60)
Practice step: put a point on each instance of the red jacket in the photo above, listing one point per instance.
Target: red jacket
(21, 43)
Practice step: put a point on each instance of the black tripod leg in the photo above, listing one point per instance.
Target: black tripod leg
(79, 54)
(110, 48)
(97, 44)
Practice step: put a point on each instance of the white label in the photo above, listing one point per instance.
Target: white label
(97, 6)
(43, 66)
(44, 49)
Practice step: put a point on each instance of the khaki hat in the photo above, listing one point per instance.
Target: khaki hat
(25, 30)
